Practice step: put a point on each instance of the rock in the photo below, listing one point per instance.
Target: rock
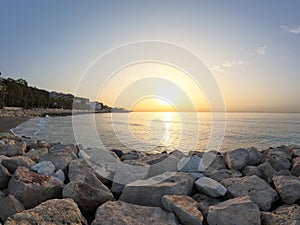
(296, 167)
(288, 188)
(118, 152)
(39, 145)
(184, 207)
(260, 192)
(2, 195)
(60, 175)
(222, 174)
(255, 157)
(13, 148)
(283, 215)
(10, 206)
(121, 213)
(213, 161)
(167, 164)
(267, 171)
(32, 189)
(235, 212)
(196, 175)
(4, 177)
(60, 160)
(279, 158)
(204, 202)
(14, 162)
(61, 148)
(78, 169)
(133, 155)
(210, 187)
(190, 164)
(36, 154)
(44, 168)
(89, 193)
(127, 173)
(251, 170)
(236, 159)
(296, 152)
(150, 192)
(54, 211)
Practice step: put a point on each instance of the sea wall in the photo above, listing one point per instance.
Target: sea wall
(44, 183)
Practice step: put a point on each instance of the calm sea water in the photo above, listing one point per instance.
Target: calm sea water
(168, 131)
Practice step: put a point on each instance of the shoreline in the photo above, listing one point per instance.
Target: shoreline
(8, 123)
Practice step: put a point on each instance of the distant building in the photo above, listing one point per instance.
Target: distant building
(96, 105)
(81, 100)
(22, 82)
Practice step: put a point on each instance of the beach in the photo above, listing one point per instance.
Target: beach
(7, 123)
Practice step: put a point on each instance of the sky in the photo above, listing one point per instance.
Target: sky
(252, 49)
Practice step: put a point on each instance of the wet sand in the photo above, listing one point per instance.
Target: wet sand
(7, 123)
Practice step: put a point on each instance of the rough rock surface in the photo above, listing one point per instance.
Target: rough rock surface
(204, 202)
(221, 174)
(150, 192)
(4, 177)
(236, 159)
(251, 170)
(60, 160)
(36, 154)
(121, 213)
(89, 193)
(13, 148)
(44, 168)
(235, 211)
(288, 188)
(296, 167)
(10, 206)
(267, 171)
(54, 211)
(12, 163)
(184, 207)
(189, 164)
(210, 187)
(32, 189)
(260, 192)
(283, 215)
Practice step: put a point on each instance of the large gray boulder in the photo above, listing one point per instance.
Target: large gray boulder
(150, 192)
(222, 174)
(12, 163)
(235, 211)
(267, 171)
(260, 192)
(236, 159)
(190, 164)
(44, 168)
(32, 189)
(89, 193)
(184, 207)
(279, 158)
(166, 164)
(36, 154)
(288, 188)
(10, 206)
(13, 148)
(255, 157)
(54, 211)
(210, 187)
(4, 177)
(283, 215)
(121, 213)
(251, 170)
(296, 167)
(61, 160)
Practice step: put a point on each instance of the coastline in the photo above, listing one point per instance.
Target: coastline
(8, 123)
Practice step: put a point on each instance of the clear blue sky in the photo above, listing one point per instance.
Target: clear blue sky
(252, 47)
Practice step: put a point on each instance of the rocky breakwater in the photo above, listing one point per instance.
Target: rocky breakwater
(43, 183)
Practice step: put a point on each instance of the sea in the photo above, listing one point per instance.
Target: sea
(167, 131)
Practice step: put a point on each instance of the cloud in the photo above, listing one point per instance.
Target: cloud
(226, 65)
(294, 30)
(260, 51)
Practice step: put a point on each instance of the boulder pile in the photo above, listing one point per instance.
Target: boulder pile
(44, 183)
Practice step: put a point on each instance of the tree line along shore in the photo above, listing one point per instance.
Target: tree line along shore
(46, 183)
(17, 93)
